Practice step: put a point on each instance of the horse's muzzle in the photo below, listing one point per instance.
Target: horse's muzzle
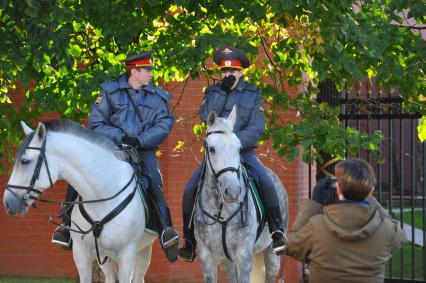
(13, 205)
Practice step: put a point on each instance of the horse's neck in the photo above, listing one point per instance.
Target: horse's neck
(93, 171)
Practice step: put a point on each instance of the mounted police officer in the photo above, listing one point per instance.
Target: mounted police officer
(233, 90)
(132, 110)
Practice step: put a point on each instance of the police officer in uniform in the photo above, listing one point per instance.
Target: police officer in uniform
(132, 110)
(233, 90)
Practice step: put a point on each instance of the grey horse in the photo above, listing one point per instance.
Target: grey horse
(225, 218)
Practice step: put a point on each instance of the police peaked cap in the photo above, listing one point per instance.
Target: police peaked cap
(230, 57)
(140, 60)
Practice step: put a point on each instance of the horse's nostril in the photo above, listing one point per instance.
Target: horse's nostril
(226, 191)
(6, 205)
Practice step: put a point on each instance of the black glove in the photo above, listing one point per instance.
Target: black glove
(325, 191)
(227, 83)
(131, 141)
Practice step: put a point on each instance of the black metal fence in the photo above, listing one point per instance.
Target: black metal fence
(400, 167)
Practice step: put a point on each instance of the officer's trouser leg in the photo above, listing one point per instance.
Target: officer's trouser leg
(187, 252)
(61, 236)
(270, 198)
(169, 237)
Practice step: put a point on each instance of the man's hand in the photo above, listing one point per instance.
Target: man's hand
(131, 141)
(227, 83)
(325, 191)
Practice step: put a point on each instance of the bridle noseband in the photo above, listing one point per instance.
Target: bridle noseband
(221, 171)
(36, 174)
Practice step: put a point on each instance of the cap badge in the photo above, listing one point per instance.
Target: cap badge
(227, 51)
(228, 63)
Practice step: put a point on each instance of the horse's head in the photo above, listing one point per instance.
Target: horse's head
(31, 173)
(223, 154)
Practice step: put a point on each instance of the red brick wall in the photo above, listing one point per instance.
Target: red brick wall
(25, 248)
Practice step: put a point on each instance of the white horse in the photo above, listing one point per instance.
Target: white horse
(96, 168)
(225, 216)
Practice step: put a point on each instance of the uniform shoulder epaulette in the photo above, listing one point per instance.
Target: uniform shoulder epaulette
(251, 87)
(110, 86)
(163, 93)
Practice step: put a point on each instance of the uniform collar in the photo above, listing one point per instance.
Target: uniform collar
(123, 82)
(241, 85)
(149, 88)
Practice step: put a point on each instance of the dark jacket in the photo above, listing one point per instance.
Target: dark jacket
(250, 119)
(114, 115)
(344, 242)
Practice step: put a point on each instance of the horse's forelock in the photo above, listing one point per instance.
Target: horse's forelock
(24, 145)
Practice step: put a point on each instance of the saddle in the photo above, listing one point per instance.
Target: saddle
(151, 221)
(257, 199)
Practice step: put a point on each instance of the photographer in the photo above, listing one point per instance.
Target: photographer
(349, 241)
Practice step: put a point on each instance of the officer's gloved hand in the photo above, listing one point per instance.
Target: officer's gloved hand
(227, 83)
(325, 191)
(131, 141)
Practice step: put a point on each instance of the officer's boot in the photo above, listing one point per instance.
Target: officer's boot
(188, 251)
(276, 229)
(61, 236)
(169, 237)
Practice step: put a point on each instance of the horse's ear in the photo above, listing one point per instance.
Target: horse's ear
(233, 115)
(211, 119)
(26, 128)
(41, 131)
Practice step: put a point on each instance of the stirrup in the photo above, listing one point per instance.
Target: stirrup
(62, 237)
(279, 250)
(185, 254)
(169, 241)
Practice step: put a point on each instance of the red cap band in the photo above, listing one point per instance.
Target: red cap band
(138, 63)
(231, 63)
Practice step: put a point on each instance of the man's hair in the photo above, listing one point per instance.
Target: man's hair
(356, 178)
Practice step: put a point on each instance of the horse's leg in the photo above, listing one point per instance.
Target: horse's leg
(82, 260)
(126, 263)
(230, 270)
(143, 258)
(209, 265)
(244, 265)
(272, 264)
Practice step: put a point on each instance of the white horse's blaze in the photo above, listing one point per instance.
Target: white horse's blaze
(223, 148)
(89, 164)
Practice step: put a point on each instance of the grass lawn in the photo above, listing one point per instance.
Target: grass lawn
(407, 263)
(418, 217)
(35, 280)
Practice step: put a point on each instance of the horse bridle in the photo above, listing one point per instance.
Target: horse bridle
(36, 174)
(221, 171)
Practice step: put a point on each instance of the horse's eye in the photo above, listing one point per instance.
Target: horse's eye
(25, 161)
(212, 150)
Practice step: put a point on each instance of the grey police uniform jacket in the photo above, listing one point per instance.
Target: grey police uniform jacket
(114, 115)
(250, 122)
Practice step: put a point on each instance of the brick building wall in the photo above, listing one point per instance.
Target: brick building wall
(25, 248)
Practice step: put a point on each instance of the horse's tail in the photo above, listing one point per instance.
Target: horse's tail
(258, 268)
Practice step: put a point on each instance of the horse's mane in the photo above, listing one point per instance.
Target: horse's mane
(75, 129)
